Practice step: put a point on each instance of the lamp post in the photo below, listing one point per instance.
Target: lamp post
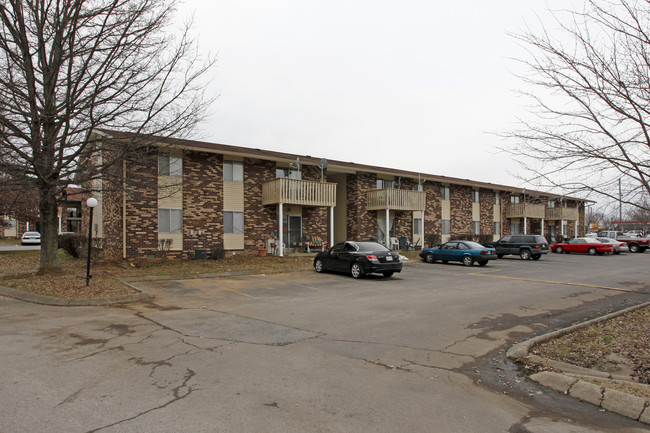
(91, 203)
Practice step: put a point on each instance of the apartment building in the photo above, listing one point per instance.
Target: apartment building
(196, 195)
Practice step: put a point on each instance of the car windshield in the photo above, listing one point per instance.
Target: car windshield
(473, 245)
(371, 246)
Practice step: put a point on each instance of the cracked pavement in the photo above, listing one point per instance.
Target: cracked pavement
(304, 352)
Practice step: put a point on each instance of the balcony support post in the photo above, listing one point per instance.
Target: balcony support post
(525, 223)
(542, 226)
(331, 239)
(422, 232)
(387, 235)
(280, 230)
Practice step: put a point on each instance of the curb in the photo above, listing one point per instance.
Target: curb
(35, 298)
(565, 382)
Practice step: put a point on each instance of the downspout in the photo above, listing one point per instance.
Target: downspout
(281, 229)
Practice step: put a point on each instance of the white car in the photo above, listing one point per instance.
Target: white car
(32, 238)
(619, 247)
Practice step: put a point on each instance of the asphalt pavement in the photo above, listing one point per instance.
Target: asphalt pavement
(422, 351)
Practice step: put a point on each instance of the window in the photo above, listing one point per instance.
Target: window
(169, 165)
(289, 173)
(233, 222)
(551, 203)
(476, 227)
(383, 184)
(170, 221)
(446, 227)
(515, 228)
(10, 224)
(497, 198)
(514, 199)
(497, 228)
(475, 196)
(233, 171)
(417, 225)
(444, 192)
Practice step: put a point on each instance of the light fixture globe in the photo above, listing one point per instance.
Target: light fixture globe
(92, 202)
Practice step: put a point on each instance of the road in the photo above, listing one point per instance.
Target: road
(422, 351)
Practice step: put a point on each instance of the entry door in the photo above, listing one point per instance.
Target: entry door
(292, 230)
(381, 228)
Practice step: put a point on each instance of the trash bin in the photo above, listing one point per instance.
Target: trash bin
(200, 254)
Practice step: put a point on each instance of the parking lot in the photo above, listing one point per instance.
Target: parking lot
(421, 351)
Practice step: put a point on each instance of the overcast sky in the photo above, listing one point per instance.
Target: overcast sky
(415, 85)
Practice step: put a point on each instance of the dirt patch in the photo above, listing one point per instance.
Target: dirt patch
(620, 346)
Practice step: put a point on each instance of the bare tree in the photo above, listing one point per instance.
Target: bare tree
(71, 67)
(589, 128)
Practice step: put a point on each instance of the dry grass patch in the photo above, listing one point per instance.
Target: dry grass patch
(19, 271)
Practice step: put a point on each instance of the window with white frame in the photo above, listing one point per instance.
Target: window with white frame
(417, 225)
(385, 184)
(497, 228)
(233, 222)
(445, 192)
(170, 221)
(170, 165)
(475, 196)
(514, 199)
(551, 204)
(497, 198)
(476, 227)
(233, 171)
(446, 227)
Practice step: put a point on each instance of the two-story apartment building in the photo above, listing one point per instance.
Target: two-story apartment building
(199, 195)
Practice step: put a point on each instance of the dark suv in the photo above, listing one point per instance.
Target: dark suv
(525, 246)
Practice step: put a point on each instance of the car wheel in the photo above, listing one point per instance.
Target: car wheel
(500, 256)
(634, 248)
(537, 256)
(524, 254)
(468, 260)
(483, 263)
(388, 273)
(430, 258)
(592, 251)
(617, 252)
(318, 265)
(356, 270)
(559, 250)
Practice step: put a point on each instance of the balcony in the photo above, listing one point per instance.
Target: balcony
(562, 213)
(396, 199)
(298, 192)
(525, 210)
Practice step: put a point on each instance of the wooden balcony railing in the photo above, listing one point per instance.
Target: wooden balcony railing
(298, 192)
(528, 210)
(396, 199)
(562, 213)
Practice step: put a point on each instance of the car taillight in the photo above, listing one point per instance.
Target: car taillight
(621, 245)
(371, 257)
(538, 246)
(486, 252)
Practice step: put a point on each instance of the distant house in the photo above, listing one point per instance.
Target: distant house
(200, 195)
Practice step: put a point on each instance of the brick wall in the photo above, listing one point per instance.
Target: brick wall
(362, 224)
(260, 222)
(461, 210)
(202, 200)
(486, 205)
(142, 204)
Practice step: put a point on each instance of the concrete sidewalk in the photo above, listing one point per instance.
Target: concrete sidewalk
(572, 380)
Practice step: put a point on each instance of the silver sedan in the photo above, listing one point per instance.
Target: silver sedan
(619, 247)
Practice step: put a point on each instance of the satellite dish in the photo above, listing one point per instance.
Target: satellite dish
(322, 163)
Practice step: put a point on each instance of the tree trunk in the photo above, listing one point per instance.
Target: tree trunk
(48, 208)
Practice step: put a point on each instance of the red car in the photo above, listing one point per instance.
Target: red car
(583, 245)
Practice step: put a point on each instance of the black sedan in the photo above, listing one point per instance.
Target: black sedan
(359, 259)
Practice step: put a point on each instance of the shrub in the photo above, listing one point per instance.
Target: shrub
(217, 253)
(73, 244)
(432, 239)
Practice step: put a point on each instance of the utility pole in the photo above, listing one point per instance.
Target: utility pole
(620, 205)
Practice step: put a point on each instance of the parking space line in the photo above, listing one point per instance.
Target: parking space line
(239, 293)
(618, 289)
